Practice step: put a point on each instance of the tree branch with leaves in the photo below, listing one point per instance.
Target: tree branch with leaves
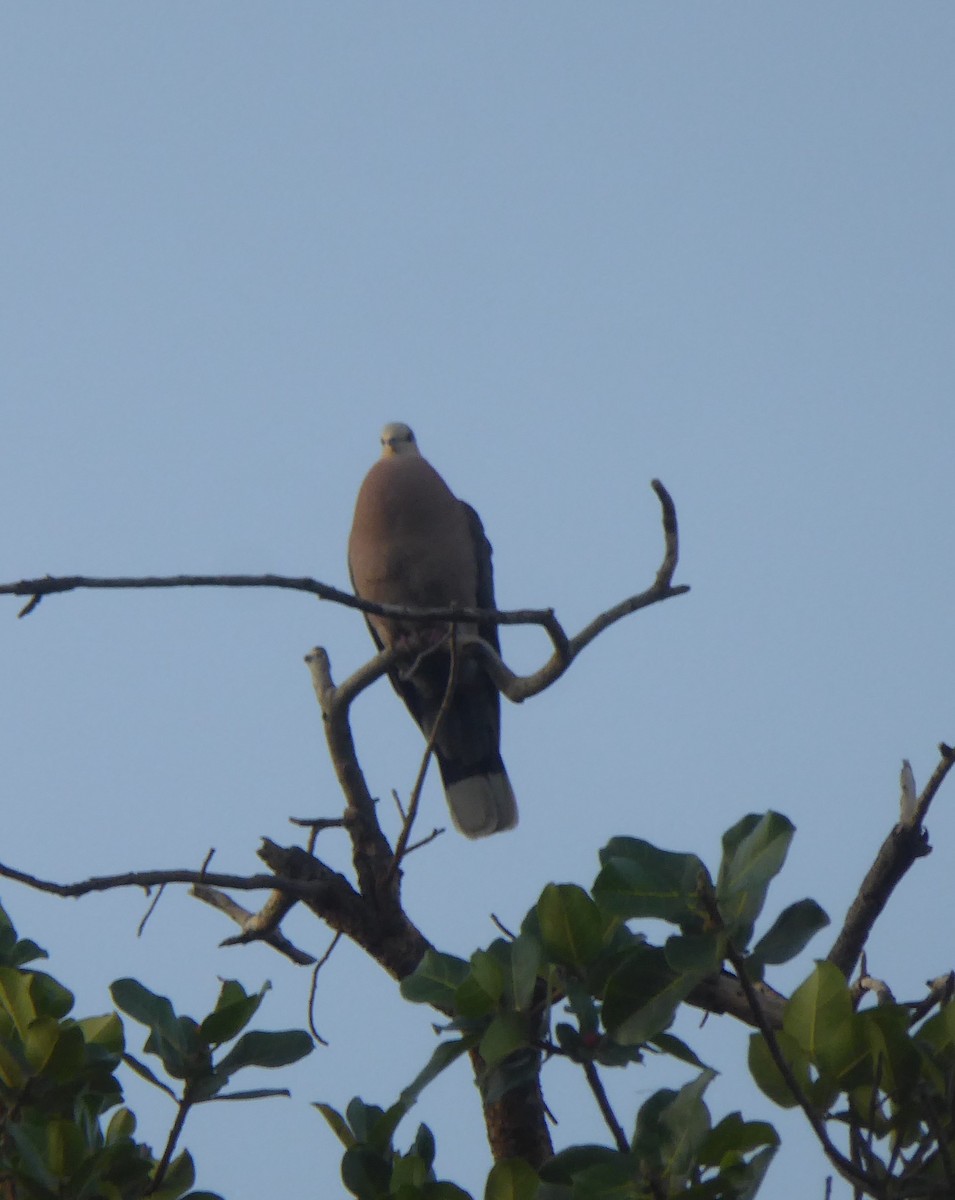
(579, 980)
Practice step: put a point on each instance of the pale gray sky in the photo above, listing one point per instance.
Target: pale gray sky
(576, 247)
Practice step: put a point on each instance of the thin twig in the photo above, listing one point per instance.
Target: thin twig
(503, 928)
(182, 1112)
(314, 988)
(402, 843)
(597, 1087)
(149, 911)
(425, 841)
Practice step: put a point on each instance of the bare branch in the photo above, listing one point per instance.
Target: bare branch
(724, 994)
(565, 649)
(256, 927)
(906, 843)
(51, 585)
(387, 934)
(300, 889)
(940, 991)
(371, 852)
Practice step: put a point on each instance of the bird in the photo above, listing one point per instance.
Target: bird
(414, 543)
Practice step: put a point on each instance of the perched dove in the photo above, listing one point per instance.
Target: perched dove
(415, 544)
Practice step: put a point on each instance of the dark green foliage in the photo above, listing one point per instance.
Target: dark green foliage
(58, 1081)
(579, 982)
(889, 1080)
(372, 1169)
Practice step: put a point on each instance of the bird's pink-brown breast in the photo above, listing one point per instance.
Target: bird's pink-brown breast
(410, 542)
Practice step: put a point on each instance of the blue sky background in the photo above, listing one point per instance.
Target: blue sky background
(576, 247)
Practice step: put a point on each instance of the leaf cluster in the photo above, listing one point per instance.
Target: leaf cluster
(186, 1047)
(888, 1080)
(580, 982)
(373, 1169)
(57, 1082)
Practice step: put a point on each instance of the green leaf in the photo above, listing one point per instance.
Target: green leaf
(572, 1162)
(939, 1030)
(105, 1031)
(667, 1043)
(145, 1073)
(512, 1179)
(26, 951)
(748, 1178)
(526, 956)
(817, 1008)
(184, 1055)
(570, 923)
(39, 1042)
(233, 1011)
(409, 1174)
(144, 1006)
(339, 1125)
(13, 1068)
(366, 1174)
(754, 851)
(15, 952)
(488, 973)
(122, 1125)
(64, 1147)
(381, 1128)
(259, 1049)
(642, 996)
(472, 1002)
(699, 952)
(424, 1144)
(31, 1146)
(886, 1029)
(70, 1056)
(789, 933)
(444, 1055)
(733, 1136)
(687, 1122)
(435, 980)
(442, 1190)
(363, 1118)
(16, 999)
(767, 1075)
(505, 1034)
(50, 998)
(638, 880)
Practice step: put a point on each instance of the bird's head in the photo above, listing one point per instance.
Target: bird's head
(397, 438)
